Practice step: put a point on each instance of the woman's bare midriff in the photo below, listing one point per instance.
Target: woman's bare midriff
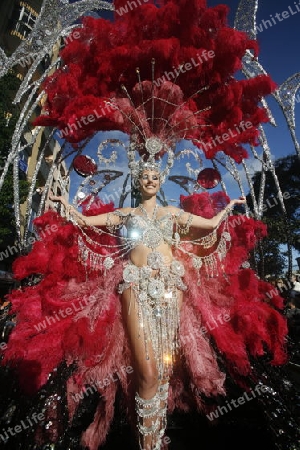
(138, 255)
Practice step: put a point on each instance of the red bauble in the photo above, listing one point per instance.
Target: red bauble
(208, 178)
(84, 165)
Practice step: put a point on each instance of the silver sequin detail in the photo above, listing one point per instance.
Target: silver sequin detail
(108, 263)
(156, 288)
(177, 268)
(227, 236)
(152, 237)
(155, 260)
(130, 273)
(153, 145)
(197, 262)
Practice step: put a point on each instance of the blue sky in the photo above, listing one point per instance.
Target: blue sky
(279, 55)
(279, 42)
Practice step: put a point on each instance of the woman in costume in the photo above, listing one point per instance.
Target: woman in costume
(226, 318)
(182, 349)
(151, 292)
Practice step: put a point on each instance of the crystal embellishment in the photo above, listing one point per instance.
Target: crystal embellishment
(226, 235)
(152, 237)
(142, 297)
(177, 268)
(153, 145)
(156, 288)
(131, 273)
(146, 272)
(108, 263)
(155, 260)
(197, 262)
(246, 265)
(157, 311)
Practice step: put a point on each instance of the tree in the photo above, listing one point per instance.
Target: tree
(283, 228)
(8, 118)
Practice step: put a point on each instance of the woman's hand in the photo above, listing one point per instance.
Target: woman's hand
(58, 198)
(238, 201)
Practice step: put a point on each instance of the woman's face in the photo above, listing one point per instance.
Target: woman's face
(149, 183)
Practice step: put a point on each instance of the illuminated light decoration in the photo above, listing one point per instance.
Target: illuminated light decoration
(29, 8)
(17, 34)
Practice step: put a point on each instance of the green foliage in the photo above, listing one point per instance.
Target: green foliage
(8, 86)
(8, 113)
(283, 229)
(269, 258)
(7, 216)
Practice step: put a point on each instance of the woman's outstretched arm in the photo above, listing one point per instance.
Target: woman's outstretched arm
(208, 224)
(100, 220)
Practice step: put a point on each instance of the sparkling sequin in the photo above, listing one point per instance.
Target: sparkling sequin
(146, 272)
(158, 310)
(130, 273)
(227, 236)
(108, 263)
(142, 296)
(153, 145)
(177, 268)
(152, 237)
(155, 260)
(197, 262)
(246, 265)
(156, 288)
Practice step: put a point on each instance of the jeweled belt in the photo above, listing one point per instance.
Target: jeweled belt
(166, 278)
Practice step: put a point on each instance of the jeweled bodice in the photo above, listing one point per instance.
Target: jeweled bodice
(149, 231)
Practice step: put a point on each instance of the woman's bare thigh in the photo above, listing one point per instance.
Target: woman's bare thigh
(143, 357)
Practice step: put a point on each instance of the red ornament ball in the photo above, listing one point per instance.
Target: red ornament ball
(84, 165)
(208, 178)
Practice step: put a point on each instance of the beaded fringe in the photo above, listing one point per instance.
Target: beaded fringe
(152, 417)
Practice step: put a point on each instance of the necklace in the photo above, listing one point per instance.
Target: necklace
(152, 235)
(145, 214)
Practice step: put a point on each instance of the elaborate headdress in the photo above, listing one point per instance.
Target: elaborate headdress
(188, 89)
(156, 118)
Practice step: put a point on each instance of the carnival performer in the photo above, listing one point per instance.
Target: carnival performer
(151, 309)
(166, 290)
(181, 348)
(152, 293)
